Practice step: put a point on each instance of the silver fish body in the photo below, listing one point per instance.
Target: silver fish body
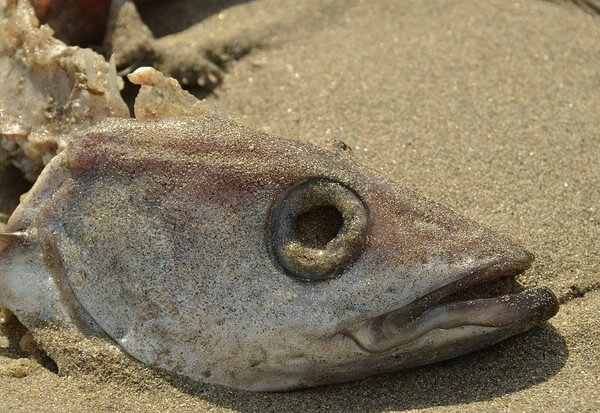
(229, 256)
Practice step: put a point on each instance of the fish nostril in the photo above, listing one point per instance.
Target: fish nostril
(317, 226)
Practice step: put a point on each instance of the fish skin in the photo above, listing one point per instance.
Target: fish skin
(157, 235)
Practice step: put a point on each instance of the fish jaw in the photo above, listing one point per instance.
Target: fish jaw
(443, 310)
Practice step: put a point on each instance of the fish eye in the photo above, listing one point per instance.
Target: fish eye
(317, 229)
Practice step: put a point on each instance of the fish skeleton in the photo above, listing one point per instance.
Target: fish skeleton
(230, 256)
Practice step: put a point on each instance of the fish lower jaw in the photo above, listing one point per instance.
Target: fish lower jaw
(513, 312)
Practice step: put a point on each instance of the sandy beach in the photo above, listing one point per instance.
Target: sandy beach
(490, 108)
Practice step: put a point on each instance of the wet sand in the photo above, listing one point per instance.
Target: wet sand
(488, 107)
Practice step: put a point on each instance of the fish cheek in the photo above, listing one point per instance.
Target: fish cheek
(100, 243)
(136, 260)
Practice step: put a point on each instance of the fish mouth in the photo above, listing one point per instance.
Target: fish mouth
(488, 298)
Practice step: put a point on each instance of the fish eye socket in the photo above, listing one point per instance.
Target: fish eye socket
(317, 229)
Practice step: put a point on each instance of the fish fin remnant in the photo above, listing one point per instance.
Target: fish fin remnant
(8, 238)
(17, 235)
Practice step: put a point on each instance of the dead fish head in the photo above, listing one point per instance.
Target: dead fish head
(229, 256)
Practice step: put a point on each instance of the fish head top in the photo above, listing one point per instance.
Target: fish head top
(229, 256)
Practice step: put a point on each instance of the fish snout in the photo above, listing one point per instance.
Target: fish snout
(501, 258)
(477, 301)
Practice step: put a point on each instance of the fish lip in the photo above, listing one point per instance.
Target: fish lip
(518, 310)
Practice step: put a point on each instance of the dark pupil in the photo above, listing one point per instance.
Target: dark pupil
(317, 226)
